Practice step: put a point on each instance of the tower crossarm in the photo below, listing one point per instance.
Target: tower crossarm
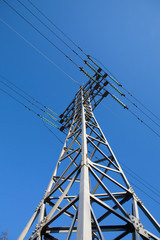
(93, 89)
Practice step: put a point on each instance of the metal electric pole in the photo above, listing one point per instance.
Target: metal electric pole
(89, 196)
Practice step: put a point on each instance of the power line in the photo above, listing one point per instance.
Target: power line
(23, 97)
(20, 102)
(84, 61)
(127, 90)
(122, 94)
(78, 66)
(52, 132)
(39, 51)
(139, 119)
(14, 98)
(132, 113)
(54, 44)
(98, 61)
(24, 92)
(155, 192)
(44, 36)
(33, 104)
(19, 94)
(44, 15)
(143, 105)
(64, 42)
(43, 119)
(145, 193)
(30, 109)
(145, 184)
(81, 69)
(49, 28)
(40, 32)
(143, 112)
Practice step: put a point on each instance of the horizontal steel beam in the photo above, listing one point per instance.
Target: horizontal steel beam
(108, 228)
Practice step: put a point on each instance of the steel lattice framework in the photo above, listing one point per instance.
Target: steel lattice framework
(89, 196)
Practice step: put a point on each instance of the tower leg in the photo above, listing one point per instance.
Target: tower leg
(135, 235)
(84, 231)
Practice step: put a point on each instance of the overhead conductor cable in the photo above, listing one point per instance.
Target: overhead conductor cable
(39, 32)
(125, 107)
(37, 114)
(56, 46)
(55, 119)
(39, 51)
(51, 42)
(88, 56)
(120, 85)
(44, 24)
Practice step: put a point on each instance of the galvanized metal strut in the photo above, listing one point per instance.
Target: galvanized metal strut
(89, 196)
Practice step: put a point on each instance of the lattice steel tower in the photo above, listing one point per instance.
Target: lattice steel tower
(89, 196)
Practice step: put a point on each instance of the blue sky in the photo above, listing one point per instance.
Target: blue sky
(125, 36)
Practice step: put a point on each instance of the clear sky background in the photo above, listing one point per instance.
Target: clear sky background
(125, 36)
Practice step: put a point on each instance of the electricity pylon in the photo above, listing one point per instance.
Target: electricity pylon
(89, 196)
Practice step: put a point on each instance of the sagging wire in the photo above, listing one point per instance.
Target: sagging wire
(42, 118)
(43, 35)
(88, 56)
(32, 103)
(92, 69)
(145, 185)
(30, 109)
(66, 36)
(96, 65)
(143, 112)
(39, 51)
(122, 94)
(139, 119)
(35, 28)
(81, 69)
(53, 24)
(52, 132)
(49, 28)
(126, 107)
(84, 61)
(131, 95)
(148, 195)
(58, 37)
(76, 64)
(146, 182)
